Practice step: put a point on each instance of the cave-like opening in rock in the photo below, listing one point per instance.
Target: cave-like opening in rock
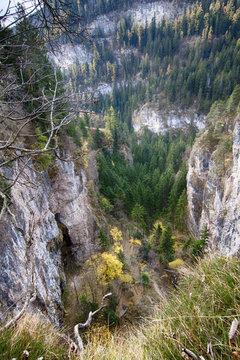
(67, 256)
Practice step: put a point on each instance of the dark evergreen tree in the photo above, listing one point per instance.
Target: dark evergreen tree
(166, 247)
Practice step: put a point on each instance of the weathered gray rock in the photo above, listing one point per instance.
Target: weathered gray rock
(214, 195)
(70, 201)
(160, 121)
(31, 242)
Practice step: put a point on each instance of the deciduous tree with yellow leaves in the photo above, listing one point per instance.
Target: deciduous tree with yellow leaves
(107, 265)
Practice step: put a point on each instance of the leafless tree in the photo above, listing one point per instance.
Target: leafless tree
(33, 104)
(52, 18)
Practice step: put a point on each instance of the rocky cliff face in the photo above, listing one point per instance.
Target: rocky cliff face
(159, 121)
(213, 185)
(139, 11)
(46, 216)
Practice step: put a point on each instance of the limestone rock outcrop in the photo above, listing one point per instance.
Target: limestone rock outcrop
(31, 239)
(213, 186)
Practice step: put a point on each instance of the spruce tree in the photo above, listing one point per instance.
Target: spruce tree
(166, 246)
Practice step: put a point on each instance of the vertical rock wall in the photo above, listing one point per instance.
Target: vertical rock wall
(213, 194)
(31, 242)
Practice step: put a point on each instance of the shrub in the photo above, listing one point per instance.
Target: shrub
(122, 257)
(188, 243)
(200, 245)
(105, 204)
(144, 251)
(104, 240)
(110, 317)
(87, 305)
(145, 279)
(176, 263)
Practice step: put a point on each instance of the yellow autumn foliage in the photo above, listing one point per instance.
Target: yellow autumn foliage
(126, 278)
(116, 234)
(98, 334)
(155, 227)
(176, 263)
(135, 242)
(117, 238)
(109, 268)
(117, 248)
(142, 266)
(157, 223)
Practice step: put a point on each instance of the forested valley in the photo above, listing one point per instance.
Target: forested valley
(189, 61)
(119, 173)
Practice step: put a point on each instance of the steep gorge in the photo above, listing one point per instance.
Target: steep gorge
(50, 225)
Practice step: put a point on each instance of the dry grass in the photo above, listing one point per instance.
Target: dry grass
(202, 310)
(35, 335)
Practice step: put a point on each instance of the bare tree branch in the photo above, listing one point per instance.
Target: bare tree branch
(88, 322)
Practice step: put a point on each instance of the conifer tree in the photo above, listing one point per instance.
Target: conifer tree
(166, 247)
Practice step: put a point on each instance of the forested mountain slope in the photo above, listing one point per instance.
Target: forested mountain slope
(190, 60)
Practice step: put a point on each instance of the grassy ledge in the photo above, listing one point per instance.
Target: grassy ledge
(200, 311)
